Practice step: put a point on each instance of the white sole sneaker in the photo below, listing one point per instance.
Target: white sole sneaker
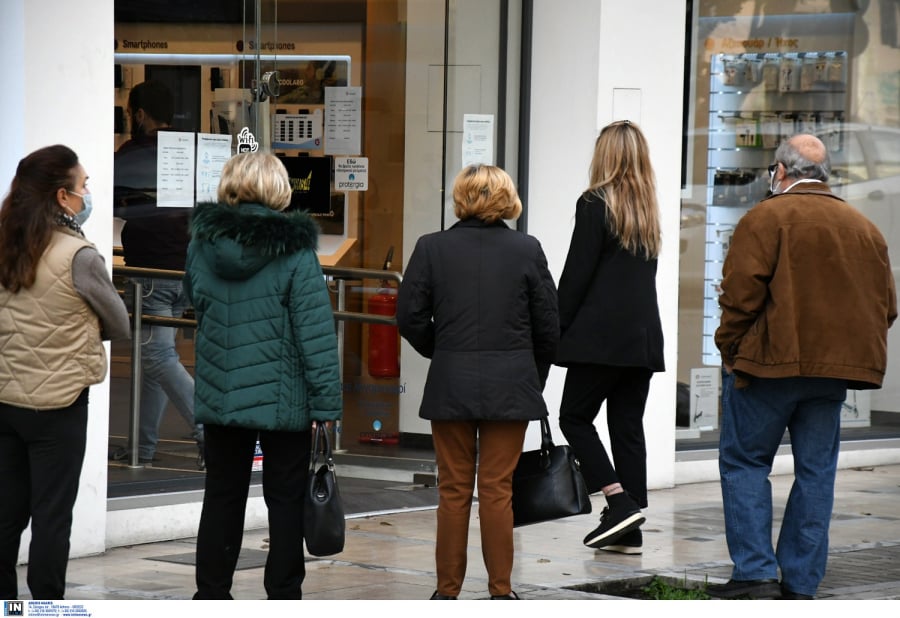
(622, 549)
(602, 537)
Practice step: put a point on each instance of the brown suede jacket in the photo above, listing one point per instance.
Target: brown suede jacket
(807, 290)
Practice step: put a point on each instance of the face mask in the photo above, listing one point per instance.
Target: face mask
(772, 190)
(82, 217)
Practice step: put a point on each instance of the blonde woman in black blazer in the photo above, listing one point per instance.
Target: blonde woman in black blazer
(611, 338)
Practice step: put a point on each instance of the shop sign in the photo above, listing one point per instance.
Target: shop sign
(351, 173)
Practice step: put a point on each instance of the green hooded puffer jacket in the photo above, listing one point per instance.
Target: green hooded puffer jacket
(266, 348)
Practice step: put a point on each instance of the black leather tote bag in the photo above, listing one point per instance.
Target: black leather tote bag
(323, 511)
(547, 483)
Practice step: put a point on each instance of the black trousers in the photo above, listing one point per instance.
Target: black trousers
(229, 463)
(624, 389)
(41, 454)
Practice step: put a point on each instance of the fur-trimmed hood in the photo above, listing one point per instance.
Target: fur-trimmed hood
(240, 240)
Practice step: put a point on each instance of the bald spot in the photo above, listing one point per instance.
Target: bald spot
(809, 147)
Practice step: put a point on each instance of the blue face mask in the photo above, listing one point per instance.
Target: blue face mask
(82, 217)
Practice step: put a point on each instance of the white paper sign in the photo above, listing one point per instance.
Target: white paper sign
(478, 139)
(705, 397)
(351, 173)
(212, 153)
(343, 120)
(175, 169)
(297, 131)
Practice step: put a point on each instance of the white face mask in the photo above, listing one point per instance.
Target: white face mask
(772, 182)
(82, 217)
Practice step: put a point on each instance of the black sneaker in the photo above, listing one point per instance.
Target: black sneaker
(745, 589)
(630, 543)
(512, 596)
(619, 518)
(441, 597)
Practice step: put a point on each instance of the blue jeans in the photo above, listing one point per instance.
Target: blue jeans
(164, 378)
(753, 423)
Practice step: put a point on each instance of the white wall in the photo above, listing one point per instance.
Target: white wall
(57, 76)
(472, 89)
(422, 175)
(584, 51)
(12, 71)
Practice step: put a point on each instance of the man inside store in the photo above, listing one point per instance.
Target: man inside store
(807, 297)
(154, 237)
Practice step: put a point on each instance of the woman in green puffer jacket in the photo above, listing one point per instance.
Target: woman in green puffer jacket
(267, 366)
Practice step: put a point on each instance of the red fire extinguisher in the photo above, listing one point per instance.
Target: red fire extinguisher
(384, 339)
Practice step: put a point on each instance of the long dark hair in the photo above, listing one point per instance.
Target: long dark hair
(29, 213)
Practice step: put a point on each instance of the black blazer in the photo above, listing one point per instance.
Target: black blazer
(480, 302)
(607, 298)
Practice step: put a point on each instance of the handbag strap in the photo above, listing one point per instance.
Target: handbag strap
(546, 436)
(321, 446)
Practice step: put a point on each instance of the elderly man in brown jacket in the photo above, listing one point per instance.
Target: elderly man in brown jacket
(807, 300)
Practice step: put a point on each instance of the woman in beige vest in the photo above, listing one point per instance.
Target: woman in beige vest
(57, 305)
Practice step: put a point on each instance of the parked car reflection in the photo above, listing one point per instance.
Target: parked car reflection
(865, 171)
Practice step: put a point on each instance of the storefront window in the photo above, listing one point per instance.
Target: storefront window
(368, 103)
(762, 71)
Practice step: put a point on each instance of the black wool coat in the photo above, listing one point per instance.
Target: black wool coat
(480, 302)
(608, 307)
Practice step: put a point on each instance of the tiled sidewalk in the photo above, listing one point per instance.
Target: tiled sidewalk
(390, 556)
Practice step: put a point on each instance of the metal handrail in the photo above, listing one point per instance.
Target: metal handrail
(339, 275)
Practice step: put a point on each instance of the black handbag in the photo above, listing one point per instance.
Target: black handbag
(323, 511)
(547, 483)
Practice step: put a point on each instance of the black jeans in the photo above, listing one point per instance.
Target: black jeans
(41, 454)
(625, 391)
(229, 463)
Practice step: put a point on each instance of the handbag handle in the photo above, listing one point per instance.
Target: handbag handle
(546, 443)
(546, 437)
(321, 446)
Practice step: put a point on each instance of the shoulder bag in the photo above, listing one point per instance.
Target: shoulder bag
(547, 483)
(323, 511)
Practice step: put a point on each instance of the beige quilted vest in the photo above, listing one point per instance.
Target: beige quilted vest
(50, 345)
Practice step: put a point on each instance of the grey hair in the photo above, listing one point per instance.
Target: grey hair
(798, 166)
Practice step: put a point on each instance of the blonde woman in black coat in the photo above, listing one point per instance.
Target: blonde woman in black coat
(479, 301)
(611, 339)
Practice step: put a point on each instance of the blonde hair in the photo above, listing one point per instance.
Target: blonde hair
(485, 192)
(621, 174)
(255, 177)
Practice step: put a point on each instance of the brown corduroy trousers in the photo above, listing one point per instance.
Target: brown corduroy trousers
(495, 447)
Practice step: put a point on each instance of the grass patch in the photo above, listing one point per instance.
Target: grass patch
(648, 588)
(661, 590)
